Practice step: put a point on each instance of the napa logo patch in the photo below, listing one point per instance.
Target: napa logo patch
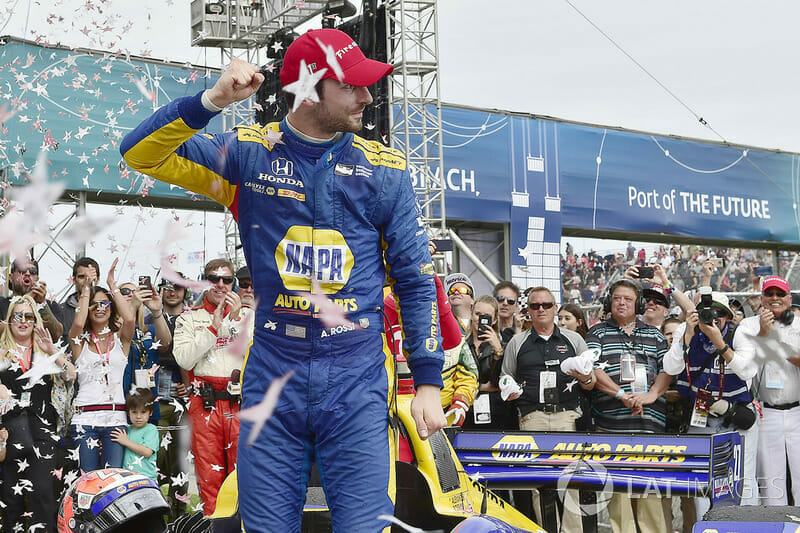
(516, 448)
(323, 254)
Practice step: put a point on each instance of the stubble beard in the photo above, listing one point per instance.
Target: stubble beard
(335, 124)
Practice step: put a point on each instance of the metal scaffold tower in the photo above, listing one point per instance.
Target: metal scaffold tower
(416, 126)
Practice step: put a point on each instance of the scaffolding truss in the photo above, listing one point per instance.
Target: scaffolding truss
(416, 126)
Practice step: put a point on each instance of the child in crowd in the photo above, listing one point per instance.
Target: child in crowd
(141, 438)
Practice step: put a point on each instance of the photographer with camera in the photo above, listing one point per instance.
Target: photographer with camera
(173, 395)
(777, 386)
(488, 411)
(713, 382)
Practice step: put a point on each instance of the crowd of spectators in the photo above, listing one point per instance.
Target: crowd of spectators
(135, 362)
(664, 350)
(106, 379)
(586, 276)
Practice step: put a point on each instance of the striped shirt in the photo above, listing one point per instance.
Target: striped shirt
(648, 346)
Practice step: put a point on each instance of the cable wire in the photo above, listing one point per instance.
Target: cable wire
(699, 118)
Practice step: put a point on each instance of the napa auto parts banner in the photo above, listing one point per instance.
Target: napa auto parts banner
(606, 179)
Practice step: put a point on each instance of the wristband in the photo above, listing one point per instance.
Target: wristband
(669, 288)
(160, 314)
(723, 350)
(208, 104)
(620, 393)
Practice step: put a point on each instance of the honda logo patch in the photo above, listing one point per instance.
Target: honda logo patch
(282, 167)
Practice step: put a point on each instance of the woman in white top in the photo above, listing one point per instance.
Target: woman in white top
(100, 350)
(29, 418)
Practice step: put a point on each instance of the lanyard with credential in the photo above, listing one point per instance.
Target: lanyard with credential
(721, 375)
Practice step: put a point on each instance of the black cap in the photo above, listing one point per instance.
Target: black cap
(167, 283)
(658, 293)
(243, 273)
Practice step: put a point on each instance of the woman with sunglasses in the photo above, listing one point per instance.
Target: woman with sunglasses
(147, 342)
(100, 347)
(488, 411)
(31, 421)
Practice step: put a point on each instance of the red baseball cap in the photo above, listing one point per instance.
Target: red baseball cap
(358, 70)
(777, 282)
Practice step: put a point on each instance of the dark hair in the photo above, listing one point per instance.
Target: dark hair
(625, 282)
(576, 311)
(505, 285)
(112, 318)
(140, 398)
(289, 97)
(85, 262)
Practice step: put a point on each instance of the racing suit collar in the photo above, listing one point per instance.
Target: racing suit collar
(324, 153)
(208, 306)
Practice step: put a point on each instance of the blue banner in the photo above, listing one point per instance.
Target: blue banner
(76, 106)
(607, 179)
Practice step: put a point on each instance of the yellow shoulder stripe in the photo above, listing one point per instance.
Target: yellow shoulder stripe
(259, 134)
(164, 164)
(380, 155)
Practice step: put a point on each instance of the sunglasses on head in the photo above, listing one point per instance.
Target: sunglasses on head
(245, 284)
(102, 305)
(460, 290)
(509, 301)
(536, 305)
(213, 278)
(774, 292)
(19, 316)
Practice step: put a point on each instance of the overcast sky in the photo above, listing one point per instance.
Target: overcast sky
(732, 62)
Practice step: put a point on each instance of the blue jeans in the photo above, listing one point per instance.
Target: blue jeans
(103, 452)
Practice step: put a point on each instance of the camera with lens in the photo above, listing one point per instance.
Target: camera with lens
(739, 415)
(705, 311)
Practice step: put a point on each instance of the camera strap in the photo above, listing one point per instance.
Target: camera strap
(692, 377)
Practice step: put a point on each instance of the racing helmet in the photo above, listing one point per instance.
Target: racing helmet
(112, 500)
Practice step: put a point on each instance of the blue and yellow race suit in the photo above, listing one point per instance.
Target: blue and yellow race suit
(342, 213)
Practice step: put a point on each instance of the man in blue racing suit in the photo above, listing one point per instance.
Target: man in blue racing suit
(313, 202)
